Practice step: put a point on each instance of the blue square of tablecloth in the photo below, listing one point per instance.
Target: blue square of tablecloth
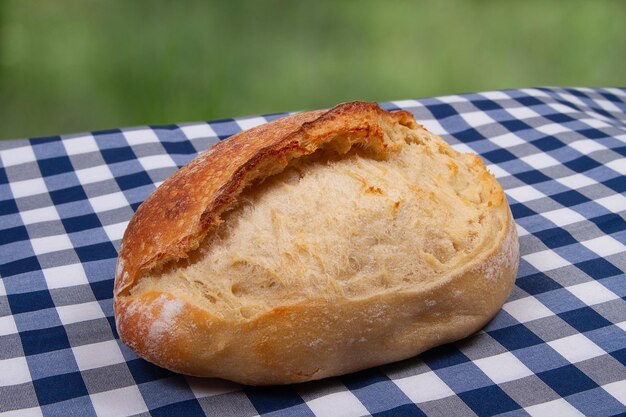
(488, 401)
(567, 380)
(59, 388)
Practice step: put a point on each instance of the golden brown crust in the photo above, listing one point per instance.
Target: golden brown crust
(188, 205)
(311, 339)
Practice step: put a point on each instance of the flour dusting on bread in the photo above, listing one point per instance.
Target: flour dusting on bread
(170, 309)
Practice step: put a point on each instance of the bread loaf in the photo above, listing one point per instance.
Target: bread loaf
(316, 245)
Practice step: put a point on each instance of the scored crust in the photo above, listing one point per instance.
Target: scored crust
(177, 333)
(187, 206)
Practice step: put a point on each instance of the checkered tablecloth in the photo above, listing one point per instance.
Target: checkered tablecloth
(558, 347)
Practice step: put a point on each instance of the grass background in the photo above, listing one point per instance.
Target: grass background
(69, 66)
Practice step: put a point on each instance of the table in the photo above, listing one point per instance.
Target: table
(558, 347)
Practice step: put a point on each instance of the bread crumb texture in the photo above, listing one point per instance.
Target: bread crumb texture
(333, 226)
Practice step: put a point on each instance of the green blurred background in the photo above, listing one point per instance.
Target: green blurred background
(69, 66)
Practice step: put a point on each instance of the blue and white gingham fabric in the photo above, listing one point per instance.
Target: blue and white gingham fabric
(558, 347)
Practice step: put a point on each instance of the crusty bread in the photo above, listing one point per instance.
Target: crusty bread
(315, 245)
